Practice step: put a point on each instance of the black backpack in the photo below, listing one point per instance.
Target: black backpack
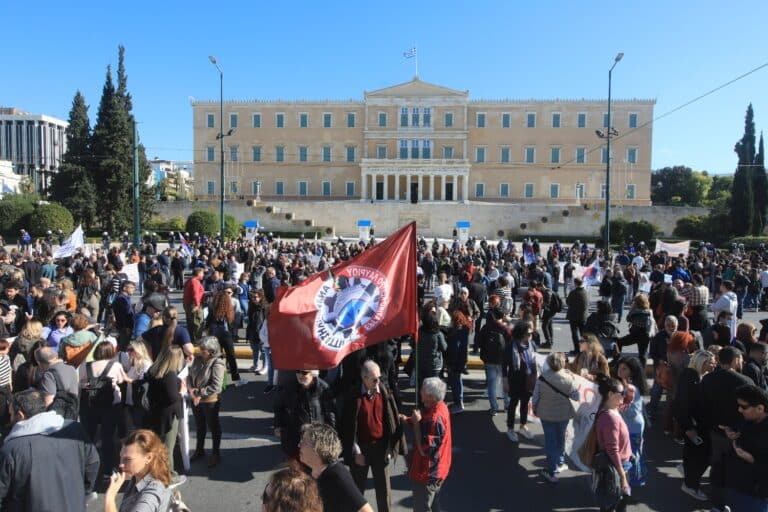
(64, 403)
(492, 345)
(555, 303)
(99, 392)
(140, 392)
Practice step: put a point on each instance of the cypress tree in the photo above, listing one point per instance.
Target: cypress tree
(113, 154)
(742, 195)
(760, 185)
(73, 185)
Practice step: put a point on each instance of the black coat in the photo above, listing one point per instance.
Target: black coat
(578, 305)
(296, 406)
(719, 390)
(165, 402)
(757, 373)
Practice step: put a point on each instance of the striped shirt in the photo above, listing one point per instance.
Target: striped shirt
(6, 372)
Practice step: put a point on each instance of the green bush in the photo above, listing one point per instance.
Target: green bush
(622, 229)
(13, 211)
(51, 216)
(160, 225)
(208, 223)
(203, 222)
(714, 227)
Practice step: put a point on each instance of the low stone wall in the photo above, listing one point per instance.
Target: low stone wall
(437, 218)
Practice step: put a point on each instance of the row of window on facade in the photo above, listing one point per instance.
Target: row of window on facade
(418, 118)
(302, 189)
(415, 149)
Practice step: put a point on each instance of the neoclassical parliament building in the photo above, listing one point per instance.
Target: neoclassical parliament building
(421, 142)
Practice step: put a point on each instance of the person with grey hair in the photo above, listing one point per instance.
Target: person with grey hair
(59, 384)
(205, 379)
(432, 446)
(319, 449)
(552, 395)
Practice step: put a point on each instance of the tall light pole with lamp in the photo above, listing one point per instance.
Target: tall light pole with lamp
(609, 132)
(220, 137)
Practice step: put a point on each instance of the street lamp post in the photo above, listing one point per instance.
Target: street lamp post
(609, 132)
(221, 147)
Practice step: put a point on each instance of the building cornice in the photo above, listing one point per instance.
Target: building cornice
(634, 101)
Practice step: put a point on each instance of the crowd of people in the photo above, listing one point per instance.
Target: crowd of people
(84, 365)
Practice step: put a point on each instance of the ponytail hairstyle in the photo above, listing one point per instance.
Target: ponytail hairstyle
(606, 385)
(170, 320)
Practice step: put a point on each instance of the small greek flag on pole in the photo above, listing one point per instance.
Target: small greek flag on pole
(410, 53)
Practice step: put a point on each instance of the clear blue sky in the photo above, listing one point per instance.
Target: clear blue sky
(674, 51)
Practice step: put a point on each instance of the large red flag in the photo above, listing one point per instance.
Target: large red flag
(359, 302)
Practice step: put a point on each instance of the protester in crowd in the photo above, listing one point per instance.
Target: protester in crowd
(164, 394)
(755, 365)
(632, 375)
(291, 490)
(144, 464)
(431, 345)
(206, 376)
(603, 323)
(371, 433)
(658, 354)
(591, 360)
(139, 363)
(462, 324)
(746, 480)
(73, 349)
(154, 304)
(101, 402)
(555, 388)
(122, 309)
(306, 399)
(578, 309)
(257, 313)
(31, 479)
(320, 449)
(431, 461)
(613, 435)
(55, 332)
(721, 415)
(688, 411)
(518, 368)
(192, 301)
(218, 323)
(640, 322)
(169, 333)
(491, 341)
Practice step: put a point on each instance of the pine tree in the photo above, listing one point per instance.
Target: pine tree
(122, 82)
(73, 185)
(760, 185)
(742, 195)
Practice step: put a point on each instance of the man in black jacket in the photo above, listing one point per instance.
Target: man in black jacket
(371, 434)
(721, 415)
(747, 463)
(30, 478)
(479, 294)
(755, 367)
(578, 307)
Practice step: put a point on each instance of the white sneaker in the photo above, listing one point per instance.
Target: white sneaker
(561, 468)
(694, 493)
(525, 432)
(512, 436)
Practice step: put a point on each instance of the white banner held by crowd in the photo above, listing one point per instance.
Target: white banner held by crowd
(673, 249)
(131, 271)
(70, 246)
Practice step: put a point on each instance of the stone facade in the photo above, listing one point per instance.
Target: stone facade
(417, 142)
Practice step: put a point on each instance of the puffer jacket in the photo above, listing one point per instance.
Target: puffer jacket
(296, 406)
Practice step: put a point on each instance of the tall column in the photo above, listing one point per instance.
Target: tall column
(455, 187)
(431, 187)
(386, 187)
(364, 186)
(465, 187)
(443, 183)
(408, 181)
(420, 181)
(397, 187)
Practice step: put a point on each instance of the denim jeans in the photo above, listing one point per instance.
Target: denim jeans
(457, 386)
(653, 405)
(268, 364)
(255, 350)
(740, 304)
(492, 376)
(554, 443)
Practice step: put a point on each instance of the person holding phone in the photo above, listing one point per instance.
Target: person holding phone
(686, 409)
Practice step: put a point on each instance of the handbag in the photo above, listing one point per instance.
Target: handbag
(606, 481)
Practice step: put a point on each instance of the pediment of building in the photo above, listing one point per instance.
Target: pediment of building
(415, 88)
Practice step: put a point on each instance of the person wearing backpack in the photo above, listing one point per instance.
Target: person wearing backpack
(491, 340)
(59, 383)
(101, 399)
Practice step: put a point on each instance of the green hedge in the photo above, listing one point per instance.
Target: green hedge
(51, 216)
(208, 223)
(622, 229)
(14, 210)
